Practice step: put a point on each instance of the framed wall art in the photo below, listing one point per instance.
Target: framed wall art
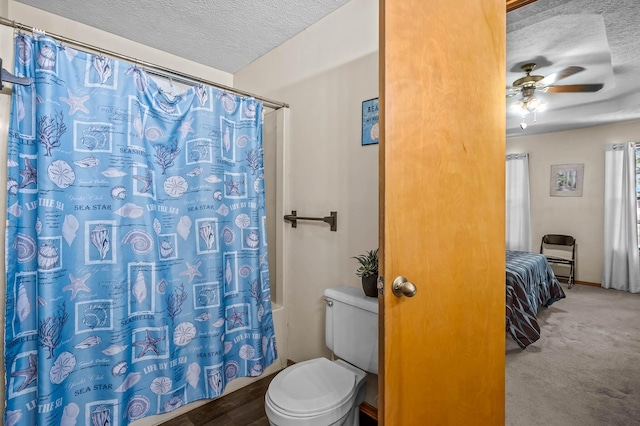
(567, 180)
(370, 129)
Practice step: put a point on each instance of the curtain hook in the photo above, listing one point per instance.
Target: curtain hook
(37, 32)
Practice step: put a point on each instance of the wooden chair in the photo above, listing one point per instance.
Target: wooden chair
(560, 250)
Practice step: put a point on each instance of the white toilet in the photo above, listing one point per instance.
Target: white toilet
(320, 392)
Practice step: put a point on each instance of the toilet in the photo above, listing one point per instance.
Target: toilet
(321, 392)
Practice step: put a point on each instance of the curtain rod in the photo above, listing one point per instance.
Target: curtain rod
(616, 146)
(516, 156)
(185, 78)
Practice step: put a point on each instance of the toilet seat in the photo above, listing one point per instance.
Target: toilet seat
(312, 388)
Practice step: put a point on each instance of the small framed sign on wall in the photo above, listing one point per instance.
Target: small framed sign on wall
(567, 180)
(370, 129)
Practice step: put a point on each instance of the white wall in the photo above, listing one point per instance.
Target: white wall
(582, 217)
(324, 73)
(61, 26)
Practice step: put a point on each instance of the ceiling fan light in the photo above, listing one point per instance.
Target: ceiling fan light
(520, 107)
(533, 103)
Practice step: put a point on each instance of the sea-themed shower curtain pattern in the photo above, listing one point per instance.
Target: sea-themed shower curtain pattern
(137, 276)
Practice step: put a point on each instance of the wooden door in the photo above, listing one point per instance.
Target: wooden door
(442, 98)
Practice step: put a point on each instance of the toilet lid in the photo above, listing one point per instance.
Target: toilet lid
(311, 387)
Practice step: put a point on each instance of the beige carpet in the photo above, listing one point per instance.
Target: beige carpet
(585, 369)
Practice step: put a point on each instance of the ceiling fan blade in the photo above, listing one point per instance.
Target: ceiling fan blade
(556, 76)
(575, 88)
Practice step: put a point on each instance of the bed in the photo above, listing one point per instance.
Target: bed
(530, 284)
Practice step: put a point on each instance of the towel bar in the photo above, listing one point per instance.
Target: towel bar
(332, 220)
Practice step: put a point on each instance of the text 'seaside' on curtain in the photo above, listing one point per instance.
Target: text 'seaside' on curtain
(137, 276)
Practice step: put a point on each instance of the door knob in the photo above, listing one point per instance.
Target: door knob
(402, 287)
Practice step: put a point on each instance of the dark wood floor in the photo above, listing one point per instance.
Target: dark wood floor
(244, 407)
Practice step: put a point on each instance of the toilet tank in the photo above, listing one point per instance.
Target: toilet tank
(351, 326)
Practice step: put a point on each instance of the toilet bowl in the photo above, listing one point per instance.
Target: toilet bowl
(318, 392)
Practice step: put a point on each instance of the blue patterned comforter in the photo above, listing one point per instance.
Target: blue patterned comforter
(530, 284)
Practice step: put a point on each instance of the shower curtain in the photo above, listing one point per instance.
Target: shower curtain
(136, 257)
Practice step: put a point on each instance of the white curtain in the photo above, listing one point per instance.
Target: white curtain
(621, 268)
(518, 215)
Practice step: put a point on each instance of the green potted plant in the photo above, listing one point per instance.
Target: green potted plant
(368, 271)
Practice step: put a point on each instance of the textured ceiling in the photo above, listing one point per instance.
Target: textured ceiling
(603, 36)
(223, 34)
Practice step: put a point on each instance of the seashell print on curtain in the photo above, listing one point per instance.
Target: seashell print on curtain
(136, 261)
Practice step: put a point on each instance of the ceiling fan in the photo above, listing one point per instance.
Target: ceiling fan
(527, 85)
